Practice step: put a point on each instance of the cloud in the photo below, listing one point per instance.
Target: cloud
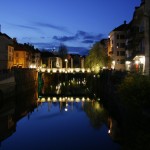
(64, 38)
(41, 44)
(78, 50)
(26, 38)
(71, 49)
(48, 25)
(88, 41)
(25, 26)
(86, 35)
(82, 36)
(44, 45)
(43, 37)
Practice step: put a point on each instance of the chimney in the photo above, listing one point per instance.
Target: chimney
(125, 22)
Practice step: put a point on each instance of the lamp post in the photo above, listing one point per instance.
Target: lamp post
(66, 63)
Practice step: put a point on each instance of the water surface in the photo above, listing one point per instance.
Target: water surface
(59, 125)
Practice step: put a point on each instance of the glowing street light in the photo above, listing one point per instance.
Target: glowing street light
(66, 63)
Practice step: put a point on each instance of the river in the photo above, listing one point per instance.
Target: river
(61, 117)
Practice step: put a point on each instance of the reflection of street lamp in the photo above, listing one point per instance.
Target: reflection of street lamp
(66, 63)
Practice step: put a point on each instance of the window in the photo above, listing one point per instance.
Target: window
(9, 58)
(122, 53)
(117, 45)
(122, 36)
(117, 61)
(10, 49)
(17, 55)
(117, 36)
(141, 27)
(122, 45)
(117, 53)
(122, 61)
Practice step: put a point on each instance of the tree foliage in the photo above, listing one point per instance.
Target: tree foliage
(134, 91)
(97, 57)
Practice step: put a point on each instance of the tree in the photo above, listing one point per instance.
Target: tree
(63, 51)
(97, 57)
(134, 92)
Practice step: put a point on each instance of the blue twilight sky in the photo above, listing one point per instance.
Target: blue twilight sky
(76, 23)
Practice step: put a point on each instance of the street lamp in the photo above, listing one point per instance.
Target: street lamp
(66, 63)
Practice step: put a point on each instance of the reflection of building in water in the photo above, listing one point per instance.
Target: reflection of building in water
(7, 121)
(114, 130)
(12, 112)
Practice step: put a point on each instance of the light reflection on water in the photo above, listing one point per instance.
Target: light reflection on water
(70, 123)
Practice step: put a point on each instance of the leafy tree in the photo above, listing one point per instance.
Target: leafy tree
(97, 57)
(134, 92)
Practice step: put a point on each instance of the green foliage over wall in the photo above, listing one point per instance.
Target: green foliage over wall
(135, 91)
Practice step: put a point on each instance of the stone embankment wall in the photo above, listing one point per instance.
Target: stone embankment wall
(26, 80)
(21, 82)
(7, 84)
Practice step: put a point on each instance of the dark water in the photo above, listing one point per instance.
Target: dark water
(63, 117)
(59, 125)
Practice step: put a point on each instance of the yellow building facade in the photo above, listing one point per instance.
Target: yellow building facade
(10, 57)
(21, 59)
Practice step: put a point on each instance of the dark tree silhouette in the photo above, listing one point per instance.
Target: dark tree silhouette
(63, 53)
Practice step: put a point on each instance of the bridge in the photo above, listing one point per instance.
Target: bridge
(65, 70)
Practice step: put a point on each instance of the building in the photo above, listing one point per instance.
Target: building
(35, 59)
(6, 52)
(116, 47)
(21, 56)
(138, 40)
(50, 60)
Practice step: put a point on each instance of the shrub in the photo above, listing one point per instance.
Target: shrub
(134, 91)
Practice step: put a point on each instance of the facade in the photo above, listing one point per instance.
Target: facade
(116, 47)
(21, 59)
(35, 59)
(55, 62)
(138, 40)
(50, 60)
(21, 56)
(6, 52)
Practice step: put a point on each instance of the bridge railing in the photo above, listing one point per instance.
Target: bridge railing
(64, 70)
(64, 99)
